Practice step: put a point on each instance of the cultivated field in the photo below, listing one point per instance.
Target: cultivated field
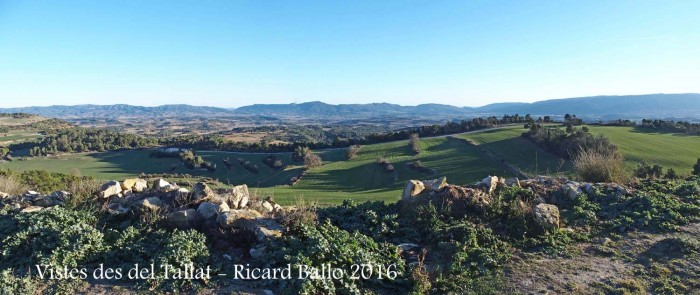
(362, 178)
(507, 144)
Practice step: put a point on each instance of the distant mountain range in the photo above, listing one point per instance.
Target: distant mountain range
(681, 106)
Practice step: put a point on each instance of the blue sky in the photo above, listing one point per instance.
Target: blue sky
(234, 53)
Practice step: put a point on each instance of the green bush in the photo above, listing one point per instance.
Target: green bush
(327, 244)
(57, 237)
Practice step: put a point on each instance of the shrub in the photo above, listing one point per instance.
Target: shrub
(671, 174)
(599, 165)
(352, 151)
(312, 160)
(9, 284)
(12, 185)
(645, 170)
(180, 249)
(58, 237)
(696, 168)
(315, 246)
(388, 167)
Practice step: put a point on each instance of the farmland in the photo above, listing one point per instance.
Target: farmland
(363, 178)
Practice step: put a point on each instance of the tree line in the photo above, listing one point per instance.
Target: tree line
(78, 139)
(660, 125)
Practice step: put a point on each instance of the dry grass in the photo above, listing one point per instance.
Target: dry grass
(11, 185)
(302, 212)
(82, 192)
(597, 165)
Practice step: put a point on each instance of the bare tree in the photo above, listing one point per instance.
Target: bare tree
(414, 141)
(352, 151)
(312, 160)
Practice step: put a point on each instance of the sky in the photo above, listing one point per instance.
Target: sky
(236, 53)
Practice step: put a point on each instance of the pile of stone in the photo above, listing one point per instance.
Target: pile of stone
(473, 199)
(32, 201)
(201, 208)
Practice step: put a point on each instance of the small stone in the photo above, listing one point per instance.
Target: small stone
(239, 197)
(135, 184)
(268, 208)
(117, 209)
(152, 203)
(490, 182)
(210, 210)
(184, 219)
(571, 190)
(547, 216)
(31, 209)
(200, 191)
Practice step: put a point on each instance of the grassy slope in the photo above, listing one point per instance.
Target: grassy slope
(507, 144)
(666, 149)
(669, 150)
(362, 178)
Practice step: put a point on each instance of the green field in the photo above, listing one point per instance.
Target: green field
(15, 136)
(508, 145)
(361, 178)
(669, 150)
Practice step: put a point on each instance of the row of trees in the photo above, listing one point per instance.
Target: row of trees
(567, 143)
(660, 125)
(88, 139)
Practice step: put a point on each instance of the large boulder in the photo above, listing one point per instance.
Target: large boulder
(209, 210)
(435, 184)
(226, 219)
(201, 191)
(239, 197)
(490, 183)
(571, 190)
(48, 201)
(262, 227)
(251, 220)
(152, 203)
(547, 216)
(136, 185)
(164, 186)
(412, 189)
(267, 207)
(184, 219)
(110, 189)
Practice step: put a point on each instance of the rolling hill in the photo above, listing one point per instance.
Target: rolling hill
(678, 106)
